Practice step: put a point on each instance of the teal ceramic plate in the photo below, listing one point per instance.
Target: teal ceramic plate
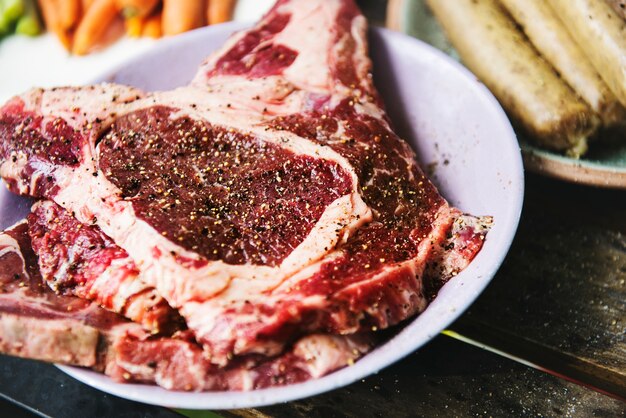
(604, 165)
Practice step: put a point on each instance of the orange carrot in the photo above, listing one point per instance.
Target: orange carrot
(132, 8)
(134, 26)
(182, 15)
(220, 11)
(152, 26)
(93, 25)
(69, 12)
(395, 9)
(52, 19)
(85, 5)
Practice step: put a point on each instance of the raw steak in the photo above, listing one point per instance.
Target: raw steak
(268, 199)
(37, 323)
(77, 259)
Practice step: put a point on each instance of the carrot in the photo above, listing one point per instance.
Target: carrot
(134, 26)
(85, 5)
(93, 25)
(52, 20)
(141, 8)
(182, 15)
(69, 12)
(394, 14)
(152, 26)
(220, 11)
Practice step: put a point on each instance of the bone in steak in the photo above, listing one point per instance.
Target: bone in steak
(268, 199)
(37, 323)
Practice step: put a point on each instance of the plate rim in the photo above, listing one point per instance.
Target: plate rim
(580, 171)
(345, 376)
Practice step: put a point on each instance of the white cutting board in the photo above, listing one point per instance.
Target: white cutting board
(42, 62)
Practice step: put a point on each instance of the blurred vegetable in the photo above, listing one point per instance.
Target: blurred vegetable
(152, 26)
(134, 26)
(182, 15)
(28, 24)
(554, 43)
(601, 34)
(492, 47)
(220, 11)
(51, 18)
(10, 12)
(81, 24)
(69, 12)
(11, 9)
(619, 6)
(93, 25)
(137, 8)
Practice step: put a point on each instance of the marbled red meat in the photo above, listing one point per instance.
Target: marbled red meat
(255, 55)
(37, 323)
(267, 200)
(213, 196)
(77, 259)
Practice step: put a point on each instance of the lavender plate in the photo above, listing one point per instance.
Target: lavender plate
(458, 130)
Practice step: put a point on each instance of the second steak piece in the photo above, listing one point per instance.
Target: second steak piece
(77, 259)
(37, 323)
(268, 199)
